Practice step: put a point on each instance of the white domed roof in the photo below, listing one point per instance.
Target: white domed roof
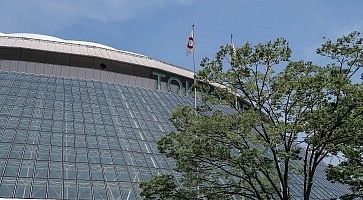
(55, 44)
(55, 39)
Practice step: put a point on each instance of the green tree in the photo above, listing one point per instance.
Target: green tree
(347, 51)
(297, 114)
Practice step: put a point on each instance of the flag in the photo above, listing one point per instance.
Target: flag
(190, 45)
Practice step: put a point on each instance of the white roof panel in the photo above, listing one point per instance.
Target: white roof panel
(91, 51)
(35, 44)
(50, 46)
(112, 54)
(9, 42)
(43, 45)
(49, 43)
(3, 40)
(83, 50)
(18, 42)
(59, 47)
(75, 49)
(97, 52)
(67, 48)
(25, 44)
(104, 53)
(122, 57)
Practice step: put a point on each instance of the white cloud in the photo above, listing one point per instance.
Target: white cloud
(55, 14)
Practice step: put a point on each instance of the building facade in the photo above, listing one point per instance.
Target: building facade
(80, 120)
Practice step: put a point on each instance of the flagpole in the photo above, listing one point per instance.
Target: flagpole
(232, 54)
(195, 78)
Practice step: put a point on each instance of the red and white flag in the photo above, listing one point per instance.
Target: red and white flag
(190, 45)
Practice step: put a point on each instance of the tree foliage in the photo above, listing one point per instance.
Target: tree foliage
(296, 112)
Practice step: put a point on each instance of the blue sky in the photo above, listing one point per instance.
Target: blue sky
(160, 28)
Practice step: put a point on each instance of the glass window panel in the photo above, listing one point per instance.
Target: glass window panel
(27, 112)
(124, 144)
(126, 191)
(99, 191)
(92, 142)
(7, 186)
(97, 118)
(57, 126)
(113, 143)
(107, 119)
(161, 160)
(130, 133)
(113, 191)
(110, 130)
(39, 103)
(130, 159)
(41, 169)
(55, 170)
(56, 153)
(78, 117)
(43, 152)
(140, 160)
(69, 171)
(106, 157)
(144, 147)
(139, 134)
(95, 109)
(83, 171)
(8, 135)
(118, 157)
(12, 168)
(26, 169)
(4, 149)
(55, 189)
(134, 175)
(145, 174)
(3, 121)
(68, 127)
(69, 154)
(96, 172)
(155, 172)
(23, 188)
(151, 161)
(153, 147)
(47, 125)
(58, 115)
(90, 129)
(80, 141)
(68, 140)
(87, 108)
(88, 117)
(38, 189)
(6, 110)
(84, 190)
(45, 138)
(93, 156)
(35, 124)
(38, 113)
(57, 139)
(102, 142)
(68, 115)
(2, 165)
(33, 137)
(13, 122)
(134, 145)
(59, 105)
(70, 190)
(81, 155)
(109, 173)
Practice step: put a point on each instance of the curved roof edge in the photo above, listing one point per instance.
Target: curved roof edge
(54, 44)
